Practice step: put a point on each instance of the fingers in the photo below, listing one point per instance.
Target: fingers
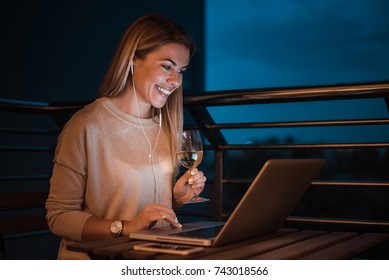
(197, 181)
(190, 184)
(196, 178)
(158, 212)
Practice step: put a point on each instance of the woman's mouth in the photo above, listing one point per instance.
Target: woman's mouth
(164, 91)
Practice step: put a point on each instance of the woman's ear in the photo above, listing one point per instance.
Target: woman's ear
(132, 64)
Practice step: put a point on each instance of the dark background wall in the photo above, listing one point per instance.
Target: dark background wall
(59, 50)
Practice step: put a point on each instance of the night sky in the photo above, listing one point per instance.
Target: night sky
(267, 44)
(259, 44)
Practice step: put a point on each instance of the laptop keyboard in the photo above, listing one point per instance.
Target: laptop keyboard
(203, 233)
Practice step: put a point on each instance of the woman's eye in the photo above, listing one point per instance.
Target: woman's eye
(167, 67)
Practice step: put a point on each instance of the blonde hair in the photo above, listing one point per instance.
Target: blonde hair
(144, 36)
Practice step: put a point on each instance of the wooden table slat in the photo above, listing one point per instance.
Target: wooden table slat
(247, 251)
(305, 247)
(88, 246)
(349, 248)
(139, 255)
(233, 246)
(114, 251)
(282, 244)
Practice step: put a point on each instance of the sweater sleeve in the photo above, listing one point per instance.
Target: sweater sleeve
(67, 184)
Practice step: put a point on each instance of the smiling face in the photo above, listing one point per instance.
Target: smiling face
(157, 75)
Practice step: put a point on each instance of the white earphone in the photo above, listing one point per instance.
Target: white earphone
(151, 149)
(160, 117)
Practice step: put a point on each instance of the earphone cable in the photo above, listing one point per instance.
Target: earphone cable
(152, 150)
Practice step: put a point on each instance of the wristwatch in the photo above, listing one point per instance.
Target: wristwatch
(116, 228)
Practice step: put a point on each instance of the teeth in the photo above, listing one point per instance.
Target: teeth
(164, 91)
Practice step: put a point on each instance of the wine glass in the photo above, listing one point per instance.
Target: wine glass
(190, 155)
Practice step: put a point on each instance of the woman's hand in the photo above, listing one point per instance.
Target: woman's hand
(152, 213)
(96, 228)
(190, 184)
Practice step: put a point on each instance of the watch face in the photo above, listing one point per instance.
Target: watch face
(116, 227)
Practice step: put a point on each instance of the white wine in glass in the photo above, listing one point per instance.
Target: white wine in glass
(190, 154)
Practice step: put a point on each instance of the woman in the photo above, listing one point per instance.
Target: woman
(115, 162)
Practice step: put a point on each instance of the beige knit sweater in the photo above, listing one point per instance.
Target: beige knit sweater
(101, 168)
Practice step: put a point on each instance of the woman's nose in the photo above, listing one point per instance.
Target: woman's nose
(174, 79)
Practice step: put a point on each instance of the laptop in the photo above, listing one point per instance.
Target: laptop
(271, 197)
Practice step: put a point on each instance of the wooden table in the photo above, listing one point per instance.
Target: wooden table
(283, 244)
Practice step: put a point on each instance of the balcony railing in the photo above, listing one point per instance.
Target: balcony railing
(198, 108)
